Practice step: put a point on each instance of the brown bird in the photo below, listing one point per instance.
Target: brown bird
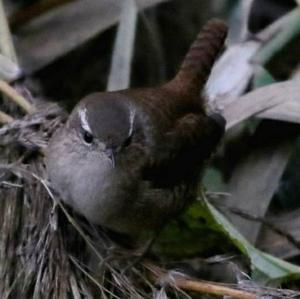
(132, 159)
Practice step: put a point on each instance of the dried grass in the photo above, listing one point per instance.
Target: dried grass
(46, 252)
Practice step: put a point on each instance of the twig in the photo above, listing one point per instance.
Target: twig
(10, 184)
(16, 97)
(5, 118)
(93, 279)
(14, 283)
(177, 280)
(6, 44)
(212, 288)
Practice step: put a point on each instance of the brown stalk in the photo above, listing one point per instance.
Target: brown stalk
(211, 288)
(189, 284)
(11, 93)
(5, 118)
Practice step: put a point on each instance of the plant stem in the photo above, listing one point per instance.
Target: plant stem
(6, 44)
(16, 97)
(5, 118)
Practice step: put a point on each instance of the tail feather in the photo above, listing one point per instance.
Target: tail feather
(198, 62)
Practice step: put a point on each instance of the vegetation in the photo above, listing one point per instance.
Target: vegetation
(241, 238)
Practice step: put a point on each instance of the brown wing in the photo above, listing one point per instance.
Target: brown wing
(180, 155)
(183, 136)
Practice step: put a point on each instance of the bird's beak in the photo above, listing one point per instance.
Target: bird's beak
(111, 155)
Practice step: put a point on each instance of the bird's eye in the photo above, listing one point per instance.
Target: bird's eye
(88, 137)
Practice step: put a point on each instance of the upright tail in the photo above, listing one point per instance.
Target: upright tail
(198, 62)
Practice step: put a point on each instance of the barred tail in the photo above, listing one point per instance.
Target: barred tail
(198, 62)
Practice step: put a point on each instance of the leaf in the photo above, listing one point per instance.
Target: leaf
(213, 180)
(193, 233)
(272, 268)
(6, 43)
(233, 71)
(262, 167)
(119, 76)
(275, 101)
(262, 78)
(231, 74)
(290, 30)
(56, 33)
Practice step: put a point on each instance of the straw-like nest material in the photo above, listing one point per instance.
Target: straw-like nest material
(45, 251)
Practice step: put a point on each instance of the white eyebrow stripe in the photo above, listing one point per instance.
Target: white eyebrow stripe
(83, 119)
(131, 120)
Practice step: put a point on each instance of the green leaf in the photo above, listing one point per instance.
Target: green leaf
(213, 180)
(268, 266)
(262, 78)
(192, 234)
